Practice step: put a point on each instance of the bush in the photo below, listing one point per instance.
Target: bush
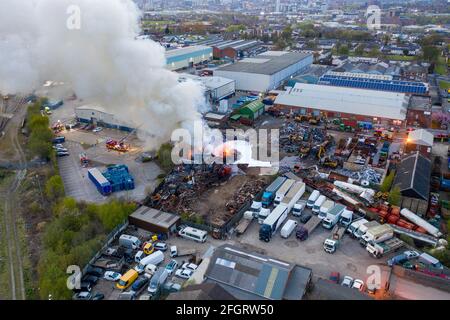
(165, 157)
(54, 188)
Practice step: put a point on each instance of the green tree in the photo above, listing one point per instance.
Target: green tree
(343, 49)
(360, 49)
(430, 53)
(387, 182)
(54, 188)
(165, 157)
(395, 196)
(374, 52)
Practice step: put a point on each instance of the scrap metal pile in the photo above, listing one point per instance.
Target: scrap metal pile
(364, 176)
(299, 138)
(182, 187)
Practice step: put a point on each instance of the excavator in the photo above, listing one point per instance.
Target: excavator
(330, 163)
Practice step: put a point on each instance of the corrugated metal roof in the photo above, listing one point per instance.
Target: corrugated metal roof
(421, 137)
(413, 176)
(254, 106)
(270, 63)
(371, 103)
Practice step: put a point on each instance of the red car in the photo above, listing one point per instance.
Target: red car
(335, 277)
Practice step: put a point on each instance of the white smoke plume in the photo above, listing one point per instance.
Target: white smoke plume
(100, 60)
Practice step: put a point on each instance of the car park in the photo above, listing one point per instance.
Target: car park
(171, 267)
(83, 295)
(161, 246)
(112, 276)
(358, 284)
(184, 273)
(347, 282)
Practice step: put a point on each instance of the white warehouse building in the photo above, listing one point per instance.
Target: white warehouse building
(177, 59)
(216, 88)
(99, 116)
(266, 71)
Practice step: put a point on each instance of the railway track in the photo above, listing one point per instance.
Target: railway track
(10, 196)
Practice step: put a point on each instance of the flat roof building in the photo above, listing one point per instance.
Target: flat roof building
(101, 117)
(154, 220)
(187, 57)
(250, 276)
(236, 48)
(265, 71)
(216, 88)
(368, 105)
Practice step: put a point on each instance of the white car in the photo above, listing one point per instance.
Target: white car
(358, 284)
(190, 266)
(58, 146)
(184, 273)
(411, 254)
(98, 129)
(347, 282)
(112, 276)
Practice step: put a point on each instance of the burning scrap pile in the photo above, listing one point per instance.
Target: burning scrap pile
(182, 187)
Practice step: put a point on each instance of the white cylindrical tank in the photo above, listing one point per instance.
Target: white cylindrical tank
(420, 222)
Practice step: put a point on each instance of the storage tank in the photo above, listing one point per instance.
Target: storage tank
(420, 222)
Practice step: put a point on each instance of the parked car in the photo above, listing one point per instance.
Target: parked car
(58, 146)
(171, 267)
(161, 246)
(112, 276)
(150, 269)
(61, 150)
(305, 217)
(98, 272)
(91, 279)
(85, 286)
(411, 254)
(139, 284)
(190, 266)
(62, 153)
(184, 273)
(98, 296)
(98, 129)
(358, 284)
(398, 259)
(347, 282)
(335, 277)
(83, 295)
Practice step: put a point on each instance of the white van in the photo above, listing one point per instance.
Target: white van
(150, 270)
(193, 234)
(157, 280)
(139, 256)
(318, 203)
(312, 198)
(155, 258)
(173, 251)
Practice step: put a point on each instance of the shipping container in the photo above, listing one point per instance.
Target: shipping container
(99, 180)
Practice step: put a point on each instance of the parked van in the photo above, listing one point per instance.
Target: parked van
(193, 234)
(318, 203)
(173, 251)
(430, 261)
(127, 279)
(287, 229)
(312, 198)
(157, 280)
(139, 256)
(130, 242)
(150, 270)
(155, 258)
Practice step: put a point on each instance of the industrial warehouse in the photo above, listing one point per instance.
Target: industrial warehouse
(265, 71)
(361, 104)
(177, 59)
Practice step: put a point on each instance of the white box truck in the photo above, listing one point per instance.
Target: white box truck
(288, 228)
(364, 227)
(377, 234)
(318, 203)
(354, 226)
(312, 198)
(279, 195)
(294, 194)
(324, 208)
(155, 258)
(273, 222)
(298, 208)
(333, 216)
(263, 214)
(346, 217)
